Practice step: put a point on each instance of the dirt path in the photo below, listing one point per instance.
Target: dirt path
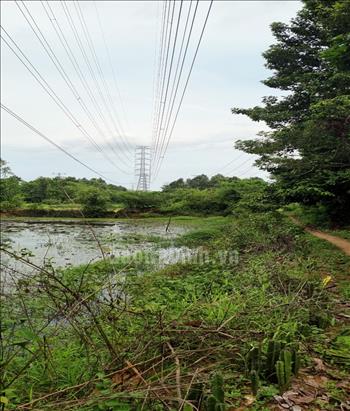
(341, 243)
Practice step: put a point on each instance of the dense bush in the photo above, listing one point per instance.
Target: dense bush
(226, 197)
(137, 200)
(94, 202)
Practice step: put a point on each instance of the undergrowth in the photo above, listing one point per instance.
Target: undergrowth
(121, 334)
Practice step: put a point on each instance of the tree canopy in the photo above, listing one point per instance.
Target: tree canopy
(307, 149)
(200, 182)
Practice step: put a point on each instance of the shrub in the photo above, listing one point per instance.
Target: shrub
(94, 202)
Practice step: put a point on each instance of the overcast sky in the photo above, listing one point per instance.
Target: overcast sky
(227, 73)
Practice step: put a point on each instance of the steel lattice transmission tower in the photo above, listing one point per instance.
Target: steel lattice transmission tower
(142, 167)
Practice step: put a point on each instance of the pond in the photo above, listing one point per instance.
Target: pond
(69, 243)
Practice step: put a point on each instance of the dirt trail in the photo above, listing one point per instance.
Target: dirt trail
(341, 243)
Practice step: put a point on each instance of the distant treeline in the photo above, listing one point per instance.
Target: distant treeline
(198, 195)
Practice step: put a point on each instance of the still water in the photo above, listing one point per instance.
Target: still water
(71, 243)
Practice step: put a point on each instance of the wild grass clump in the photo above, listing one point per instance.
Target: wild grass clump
(198, 237)
(263, 232)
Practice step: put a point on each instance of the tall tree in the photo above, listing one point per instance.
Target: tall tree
(179, 183)
(10, 188)
(307, 149)
(201, 182)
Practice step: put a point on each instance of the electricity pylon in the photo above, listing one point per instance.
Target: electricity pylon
(142, 167)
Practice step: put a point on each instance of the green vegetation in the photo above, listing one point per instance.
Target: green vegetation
(60, 194)
(94, 203)
(200, 196)
(307, 150)
(341, 233)
(67, 197)
(9, 188)
(316, 217)
(253, 313)
(102, 336)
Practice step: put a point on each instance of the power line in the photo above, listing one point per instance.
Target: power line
(110, 107)
(162, 152)
(159, 76)
(165, 64)
(157, 129)
(72, 58)
(87, 62)
(65, 44)
(52, 55)
(48, 89)
(81, 47)
(122, 105)
(175, 88)
(168, 81)
(156, 33)
(171, 66)
(179, 78)
(226, 165)
(244, 172)
(24, 122)
(236, 167)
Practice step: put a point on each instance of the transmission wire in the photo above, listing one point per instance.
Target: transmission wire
(48, 49)
(184, 91)
(24, 122)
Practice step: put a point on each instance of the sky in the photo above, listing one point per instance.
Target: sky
(227, 73)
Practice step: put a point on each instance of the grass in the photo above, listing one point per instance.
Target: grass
(126, 335)
(315, 218)
(312, 216)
